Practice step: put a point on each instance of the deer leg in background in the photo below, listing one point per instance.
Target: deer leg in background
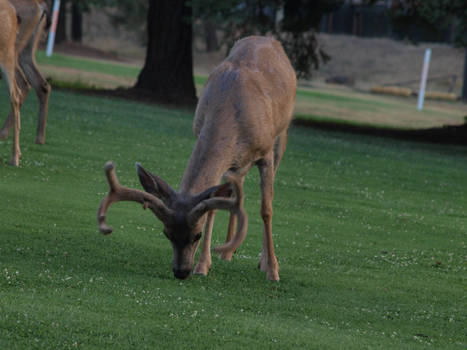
(268, 262)
(24, 88)
(28, 64)
(16, 154)
(204, 261)
(279, 149)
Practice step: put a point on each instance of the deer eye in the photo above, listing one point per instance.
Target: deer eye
(197, 237)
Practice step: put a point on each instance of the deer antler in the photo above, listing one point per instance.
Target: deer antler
(119, 193)
(234, 205)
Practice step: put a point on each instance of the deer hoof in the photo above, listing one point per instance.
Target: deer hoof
(201, 269)
(272, 275)
(40, 140)
(227, 256)
(263, 264)
(14, 160)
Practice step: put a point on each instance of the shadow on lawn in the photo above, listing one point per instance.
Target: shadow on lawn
(450, 134)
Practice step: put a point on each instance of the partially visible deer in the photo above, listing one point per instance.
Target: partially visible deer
(241, 120)
(8, 59)
(33, 17)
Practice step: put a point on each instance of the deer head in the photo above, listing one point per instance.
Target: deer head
(181, 215)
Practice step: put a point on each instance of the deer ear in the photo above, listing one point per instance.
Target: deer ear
(224, 191)
(154, 184)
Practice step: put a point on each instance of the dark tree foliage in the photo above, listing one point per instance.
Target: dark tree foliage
(438, 14)
(61, 32)
(298, 30)
(293, 22)
(76, 23)
(132, 15)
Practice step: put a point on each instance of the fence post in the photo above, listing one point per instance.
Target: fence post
(51, 39)
(421, 92)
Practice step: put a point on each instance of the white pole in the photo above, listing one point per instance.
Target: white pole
(51, 39)
(421, 93)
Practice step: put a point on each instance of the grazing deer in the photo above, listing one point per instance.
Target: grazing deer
(241, 120)
(33, 16)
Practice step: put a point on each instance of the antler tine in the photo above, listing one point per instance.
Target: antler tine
(119, 193)
(234, 205)
(242, 218)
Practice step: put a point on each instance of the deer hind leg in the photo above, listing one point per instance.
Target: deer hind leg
(41, 86)
(204, 262)
(8, 68)
(268, 262)
(24, 88)
(16, 153)
(267, 168)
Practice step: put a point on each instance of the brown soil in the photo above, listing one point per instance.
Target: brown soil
(375, 61)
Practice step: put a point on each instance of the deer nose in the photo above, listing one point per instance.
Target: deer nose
(181, 274)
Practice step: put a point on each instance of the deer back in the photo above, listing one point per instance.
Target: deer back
(246, 103)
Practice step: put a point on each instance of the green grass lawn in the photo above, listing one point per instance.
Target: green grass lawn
(370, 235)
(88, 65)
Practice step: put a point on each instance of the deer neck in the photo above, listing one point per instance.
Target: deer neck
(207, 164)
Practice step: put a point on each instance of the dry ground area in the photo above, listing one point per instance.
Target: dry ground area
(376, 61)
(385, 61)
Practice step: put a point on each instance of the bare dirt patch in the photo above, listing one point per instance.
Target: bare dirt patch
(384, 61)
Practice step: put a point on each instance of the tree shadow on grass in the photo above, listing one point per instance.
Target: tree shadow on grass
(448, 135)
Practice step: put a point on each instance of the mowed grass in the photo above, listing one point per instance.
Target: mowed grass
(370, 235)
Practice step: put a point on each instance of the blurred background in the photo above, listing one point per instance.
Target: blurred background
(351, 46)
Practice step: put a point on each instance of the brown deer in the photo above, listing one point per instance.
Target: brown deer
(33, 17)
(241, 120)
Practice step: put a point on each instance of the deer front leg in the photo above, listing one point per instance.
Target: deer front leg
(204, 262)
(268, 261)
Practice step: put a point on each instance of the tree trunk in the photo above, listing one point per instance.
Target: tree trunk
(168, 71)
(76, 23)
(61, 32)
(464, 83)
(210, 36)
